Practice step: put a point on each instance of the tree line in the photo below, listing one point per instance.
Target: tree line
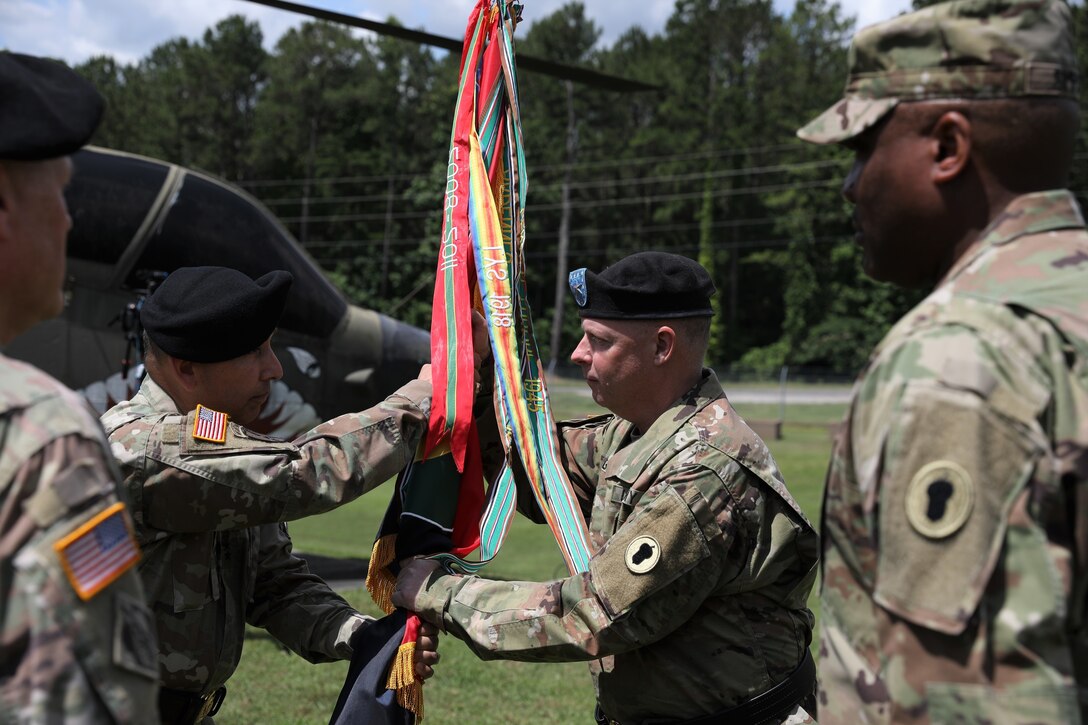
(344, 136)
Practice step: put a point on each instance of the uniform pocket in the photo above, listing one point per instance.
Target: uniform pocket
(658, 544)
(187, 578)
(953, 471)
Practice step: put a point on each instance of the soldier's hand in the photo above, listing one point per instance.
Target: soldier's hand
(426, 651)
(412, 580)
(425, 372)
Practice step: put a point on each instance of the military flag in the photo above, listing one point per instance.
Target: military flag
(439, 506)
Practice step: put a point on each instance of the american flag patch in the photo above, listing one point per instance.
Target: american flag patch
(210, 425)
(98, 552)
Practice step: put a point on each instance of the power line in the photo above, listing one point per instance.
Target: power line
(595, 183)
(777, 242)
(608, 163)
(584, 233)
(594, 203)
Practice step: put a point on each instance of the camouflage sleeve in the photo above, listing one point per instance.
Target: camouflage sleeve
(65, 657)
(647, 580)
(578, 452)
(297, 607)
(959, 445)
(942, 511)
(249, 480)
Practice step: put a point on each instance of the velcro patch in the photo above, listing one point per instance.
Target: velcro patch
(99, 551)
(627, 569)
(209, 425)
(953, 471)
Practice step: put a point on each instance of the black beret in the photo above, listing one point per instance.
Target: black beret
(645, 285)
(47, 110)
(211, 314)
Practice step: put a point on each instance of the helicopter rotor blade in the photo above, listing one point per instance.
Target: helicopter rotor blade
(525, 62)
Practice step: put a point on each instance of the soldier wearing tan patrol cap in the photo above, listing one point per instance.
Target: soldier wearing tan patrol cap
(955, 522)
(76, 641)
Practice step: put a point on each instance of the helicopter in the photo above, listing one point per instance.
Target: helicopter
(135, 219)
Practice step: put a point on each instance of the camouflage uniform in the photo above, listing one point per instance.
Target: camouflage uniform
(956, 512)
(62, 658)
(955, 518)
(716, 616)
(209, 518)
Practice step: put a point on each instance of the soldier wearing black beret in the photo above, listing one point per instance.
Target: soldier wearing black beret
(644, 286)
(211, 314)
(210, 495)
(78, 640)
(693, 608)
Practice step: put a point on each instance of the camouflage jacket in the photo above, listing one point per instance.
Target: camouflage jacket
(209, 518)
(696, 596)
(64, 657)
(956, 510)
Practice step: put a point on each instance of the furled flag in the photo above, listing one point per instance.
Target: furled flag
(439, 506)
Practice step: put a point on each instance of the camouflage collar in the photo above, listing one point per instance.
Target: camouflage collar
(1043, 211)
(633, 458)
(152, 396)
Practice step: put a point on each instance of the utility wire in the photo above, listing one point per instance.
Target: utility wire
(594, 203)
(597, 183)
(542, 168)
(586, 233)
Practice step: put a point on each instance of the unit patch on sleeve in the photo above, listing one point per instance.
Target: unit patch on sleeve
(642, 554)
(99, 551)
(209, 425)
(939, 499)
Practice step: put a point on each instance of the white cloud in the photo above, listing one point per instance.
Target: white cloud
(128, 29)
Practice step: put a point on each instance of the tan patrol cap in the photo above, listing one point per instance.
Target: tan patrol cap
(970, 49)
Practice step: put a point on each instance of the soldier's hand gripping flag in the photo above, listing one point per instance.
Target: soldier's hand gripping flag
(439, 506)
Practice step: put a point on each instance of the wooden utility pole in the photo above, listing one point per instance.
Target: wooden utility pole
(563, 246)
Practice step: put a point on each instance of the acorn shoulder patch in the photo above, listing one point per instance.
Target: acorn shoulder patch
(939, 499)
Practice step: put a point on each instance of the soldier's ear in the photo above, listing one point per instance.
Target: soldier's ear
(665, 345)
(950, 141)
(184, 372)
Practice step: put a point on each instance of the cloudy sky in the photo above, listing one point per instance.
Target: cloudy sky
(128, 29)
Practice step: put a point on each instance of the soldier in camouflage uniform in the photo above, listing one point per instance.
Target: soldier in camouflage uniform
(76, 640)
(209, 497)
(955, 520)
(694, 604)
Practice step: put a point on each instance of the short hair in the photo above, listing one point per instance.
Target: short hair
(1027, 144)
(694, 330)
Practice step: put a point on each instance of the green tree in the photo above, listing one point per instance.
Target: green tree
(227, 72)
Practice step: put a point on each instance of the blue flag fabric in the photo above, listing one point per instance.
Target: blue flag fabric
(365, 699)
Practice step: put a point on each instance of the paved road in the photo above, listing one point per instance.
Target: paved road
(741, 393)
(800, 396)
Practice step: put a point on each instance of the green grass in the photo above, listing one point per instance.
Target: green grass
(276, 687)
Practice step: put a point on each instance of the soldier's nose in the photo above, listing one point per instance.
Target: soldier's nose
(580, 356)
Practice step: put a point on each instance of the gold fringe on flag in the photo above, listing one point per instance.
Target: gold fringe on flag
(402, 678)
(379, 580)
